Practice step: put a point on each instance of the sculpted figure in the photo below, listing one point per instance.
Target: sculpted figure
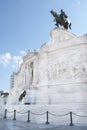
(63, 15)
(61, 19)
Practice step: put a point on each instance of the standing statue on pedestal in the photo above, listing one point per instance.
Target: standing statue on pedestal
(61, 19)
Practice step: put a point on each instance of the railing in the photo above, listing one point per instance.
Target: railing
(47, 113)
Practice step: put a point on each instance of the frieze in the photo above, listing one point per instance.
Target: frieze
(68, 68)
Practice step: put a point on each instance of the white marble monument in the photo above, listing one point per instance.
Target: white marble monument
(54, 76)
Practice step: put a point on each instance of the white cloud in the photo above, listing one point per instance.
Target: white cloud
(8, 56)
(22, 52)
(5, 59)
(79, 2)
(13, 61)
(17, 60)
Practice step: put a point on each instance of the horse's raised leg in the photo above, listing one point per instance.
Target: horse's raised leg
(70, 26)
(57, 24)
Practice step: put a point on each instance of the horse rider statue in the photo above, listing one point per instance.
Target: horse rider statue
(63, 15)
(61, 19)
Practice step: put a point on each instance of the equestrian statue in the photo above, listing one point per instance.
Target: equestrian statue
(61, 19)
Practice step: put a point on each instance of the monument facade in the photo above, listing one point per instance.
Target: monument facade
(57, 73)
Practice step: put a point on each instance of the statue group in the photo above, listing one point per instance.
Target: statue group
(61, 19)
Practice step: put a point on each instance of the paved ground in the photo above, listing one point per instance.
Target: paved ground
(17, 125)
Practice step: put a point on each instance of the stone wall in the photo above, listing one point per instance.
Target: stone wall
(57, 73)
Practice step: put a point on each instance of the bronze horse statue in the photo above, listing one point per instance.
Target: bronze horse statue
(65, 22)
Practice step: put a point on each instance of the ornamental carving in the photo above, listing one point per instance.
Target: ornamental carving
(69, 68)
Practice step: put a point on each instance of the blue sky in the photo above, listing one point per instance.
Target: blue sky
(26, 24)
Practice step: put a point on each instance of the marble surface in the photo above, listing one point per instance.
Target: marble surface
(56, 74)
